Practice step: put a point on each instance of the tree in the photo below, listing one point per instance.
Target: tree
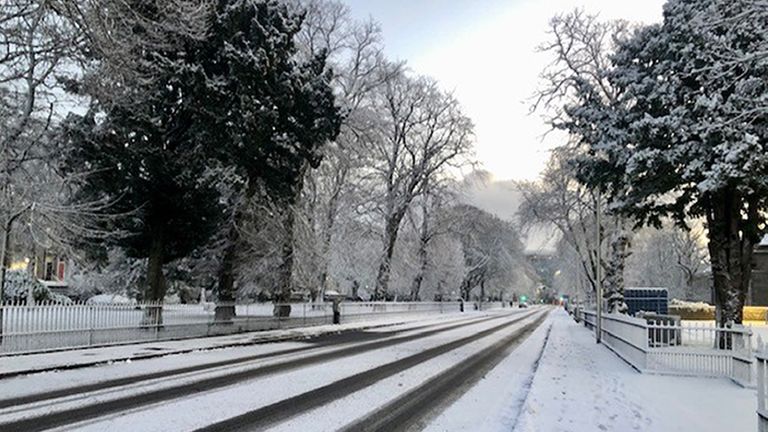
(670, 257)
(421, 134)
(147, 156)
(354, 49)
(581, 45)
(687, 137)
(558, 200)
(273, 116)
(38, 45)
(493, 253)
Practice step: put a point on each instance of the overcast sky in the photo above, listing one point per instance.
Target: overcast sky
(485, 51)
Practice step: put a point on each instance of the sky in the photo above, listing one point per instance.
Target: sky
(485, 52)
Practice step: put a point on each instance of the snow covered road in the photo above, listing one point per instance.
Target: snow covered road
(403, 377)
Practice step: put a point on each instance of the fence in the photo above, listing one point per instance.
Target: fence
(49, 326)
(659, 347)
(761, 363)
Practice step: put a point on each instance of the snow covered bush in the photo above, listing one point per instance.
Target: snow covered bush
(18, 283)
(110, 299)
(691, 310)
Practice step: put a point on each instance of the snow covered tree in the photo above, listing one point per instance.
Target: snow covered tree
(688, 136)
(670, 257)
(581, 45)
(145, 153)
(493, 254)
(559, 201)
(419, 135)
(273, 115)
(354, 49)
(38, 46)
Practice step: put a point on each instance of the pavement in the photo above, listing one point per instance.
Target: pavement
(580, 386)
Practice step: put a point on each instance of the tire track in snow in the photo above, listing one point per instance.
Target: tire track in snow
(322, 341)
(54, 419)
(414, 409)
(263, 417)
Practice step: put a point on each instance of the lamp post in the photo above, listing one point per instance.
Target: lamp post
(598, 273)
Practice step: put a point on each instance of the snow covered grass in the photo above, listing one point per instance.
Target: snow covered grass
(583, 387)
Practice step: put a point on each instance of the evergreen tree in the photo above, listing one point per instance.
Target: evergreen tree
(143, 151)
(688, 136)
(272, 115)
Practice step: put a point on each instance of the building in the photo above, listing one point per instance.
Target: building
(758, 288)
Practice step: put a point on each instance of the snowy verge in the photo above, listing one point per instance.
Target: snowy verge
(580, 386)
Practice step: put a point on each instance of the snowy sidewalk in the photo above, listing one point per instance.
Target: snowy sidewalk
(14, 365)
(583, 387)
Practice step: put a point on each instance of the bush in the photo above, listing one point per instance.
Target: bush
(17, 286)
(692, 310)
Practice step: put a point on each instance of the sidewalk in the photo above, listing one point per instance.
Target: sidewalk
(22, 364)
(580, 386)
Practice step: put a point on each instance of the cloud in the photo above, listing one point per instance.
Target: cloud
(488, 58)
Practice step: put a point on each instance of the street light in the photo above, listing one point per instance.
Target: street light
(598, 274)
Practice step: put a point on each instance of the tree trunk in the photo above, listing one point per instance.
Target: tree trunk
(381, 291)
(4, 240)
(731, 243)
(423, 258)
(614, 276)
(156, 287)
(325, 247)
(225, 293)
(285, 270)
(225, 289)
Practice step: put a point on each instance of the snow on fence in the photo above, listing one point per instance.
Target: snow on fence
(671, 348)
(51, 326)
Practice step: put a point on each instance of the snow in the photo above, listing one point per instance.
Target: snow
(110, 299)
(556, 380)
(580, 386)
(14, 365)
(245, 396)
(495, 402)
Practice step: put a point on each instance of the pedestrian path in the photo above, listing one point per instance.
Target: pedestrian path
(580, 386)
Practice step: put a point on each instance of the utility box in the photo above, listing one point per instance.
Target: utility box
(654, 300)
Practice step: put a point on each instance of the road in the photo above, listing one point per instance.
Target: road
(394, 378)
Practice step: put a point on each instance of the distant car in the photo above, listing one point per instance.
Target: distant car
(522, 305)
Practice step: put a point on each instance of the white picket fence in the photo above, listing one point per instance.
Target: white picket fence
(761, 366)
(52, 326)
(677, 349)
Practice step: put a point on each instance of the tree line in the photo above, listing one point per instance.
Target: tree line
(257, 148)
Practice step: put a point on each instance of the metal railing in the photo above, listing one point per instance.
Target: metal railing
(52, 326)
